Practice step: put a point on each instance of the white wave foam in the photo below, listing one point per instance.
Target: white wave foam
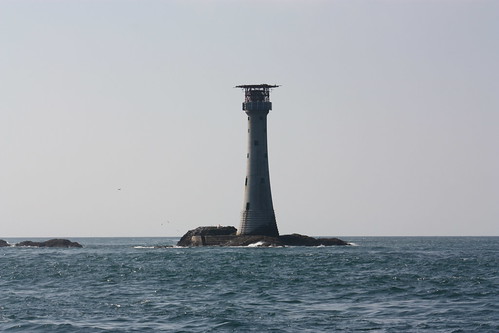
(143, 247)
(257, 244)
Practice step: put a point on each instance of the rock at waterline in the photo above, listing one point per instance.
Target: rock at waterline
(302, 240)
(3, 243)
(200, 233)
(226, 236)
(51, 243)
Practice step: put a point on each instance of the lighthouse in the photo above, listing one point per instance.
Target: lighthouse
(258, 222)
(257, 216)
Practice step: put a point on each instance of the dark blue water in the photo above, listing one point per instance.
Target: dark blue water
(394, 284)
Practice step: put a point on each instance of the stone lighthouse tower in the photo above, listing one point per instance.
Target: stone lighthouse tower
(257, 217)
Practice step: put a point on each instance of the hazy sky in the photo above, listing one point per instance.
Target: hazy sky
(386, 123)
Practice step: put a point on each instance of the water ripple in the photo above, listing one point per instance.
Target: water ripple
(381, 285)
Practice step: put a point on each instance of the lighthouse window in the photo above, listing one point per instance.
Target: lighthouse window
(256, 142)
(247, 155)
(247, 206)
(246, 182)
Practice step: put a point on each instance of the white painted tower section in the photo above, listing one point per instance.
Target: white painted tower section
(257, 217)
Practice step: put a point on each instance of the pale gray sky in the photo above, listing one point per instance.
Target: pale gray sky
(387, 121)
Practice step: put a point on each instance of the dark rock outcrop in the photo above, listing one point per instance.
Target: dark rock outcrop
(3, 243)
(226, 236)
(186, 240)
(50, 243)
(302, 240)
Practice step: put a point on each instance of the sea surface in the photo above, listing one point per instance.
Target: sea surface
(381, 284)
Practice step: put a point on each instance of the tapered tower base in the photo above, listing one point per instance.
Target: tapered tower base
(258, 223)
